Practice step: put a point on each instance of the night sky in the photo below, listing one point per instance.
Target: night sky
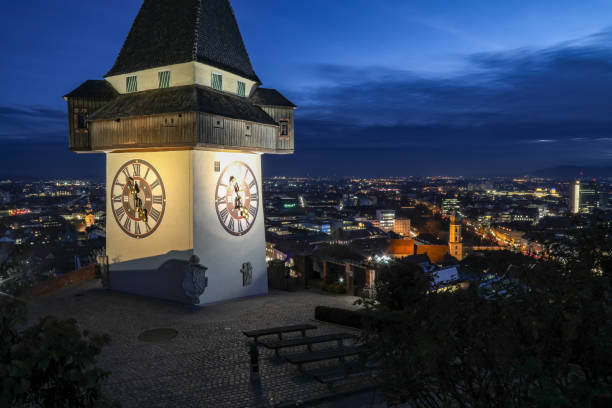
(387, 87)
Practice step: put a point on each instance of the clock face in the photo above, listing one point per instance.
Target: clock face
(237, 198)
(138, 198)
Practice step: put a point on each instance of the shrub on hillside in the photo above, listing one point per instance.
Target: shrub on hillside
(544, 341)
(50, 364)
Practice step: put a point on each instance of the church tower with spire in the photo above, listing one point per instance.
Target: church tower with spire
(183, 122)
(455, 241)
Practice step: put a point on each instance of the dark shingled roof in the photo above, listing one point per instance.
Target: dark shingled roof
(270, 97)
(94, 88)
(190, 98)
(172, 32)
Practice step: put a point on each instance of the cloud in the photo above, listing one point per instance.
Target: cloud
(541, 101)
(32, 123)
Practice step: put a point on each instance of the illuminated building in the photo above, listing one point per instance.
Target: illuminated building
(183, 122)
(455, 242)
(584, 197)
(386, 219)
(402, 227)
(450, 206)
(90, 219)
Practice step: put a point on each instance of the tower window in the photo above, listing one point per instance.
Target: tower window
(241, 89)
(247, 129)
(164, 79)
(284, 127)
(218, 122)
(217, 81)
(80, 119)
(131, 84)
(217, 167)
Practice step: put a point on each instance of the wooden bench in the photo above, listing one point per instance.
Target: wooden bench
(255, 334)
(330, 354)
(331, 375)
(307, 341)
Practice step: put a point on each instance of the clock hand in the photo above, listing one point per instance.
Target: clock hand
(134, 190)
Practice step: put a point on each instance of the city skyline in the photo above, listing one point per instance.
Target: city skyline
(490, 89)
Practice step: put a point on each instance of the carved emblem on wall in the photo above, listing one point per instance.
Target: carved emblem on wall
(247, 274)
(195, 281)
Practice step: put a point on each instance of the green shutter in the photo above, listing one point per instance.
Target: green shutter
(241, 89)
(164, 79)
(217, 82)
(131, 84)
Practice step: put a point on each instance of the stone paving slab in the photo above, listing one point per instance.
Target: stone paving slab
(207, 364)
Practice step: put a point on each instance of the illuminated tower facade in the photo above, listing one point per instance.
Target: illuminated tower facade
(455, 242)
(584, 198)
(183, 122)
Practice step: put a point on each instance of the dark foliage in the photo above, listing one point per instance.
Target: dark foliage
(545, 340)
(334, 277)
(51, 364)
(343, 317)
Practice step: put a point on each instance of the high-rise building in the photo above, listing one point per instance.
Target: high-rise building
(402, 227)
(386, 219)
(584, 197)
(455, 241)
(450, 206)
(183, 122)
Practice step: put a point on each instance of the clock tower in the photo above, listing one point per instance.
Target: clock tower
(183, 122)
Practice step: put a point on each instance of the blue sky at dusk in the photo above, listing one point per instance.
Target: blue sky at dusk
(470, 87)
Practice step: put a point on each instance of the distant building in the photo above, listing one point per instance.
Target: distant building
(402, 227)
(386, 218)
(584, 197)
(455, 242)
(450, 206)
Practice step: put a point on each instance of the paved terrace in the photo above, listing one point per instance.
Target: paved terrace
(207, 364)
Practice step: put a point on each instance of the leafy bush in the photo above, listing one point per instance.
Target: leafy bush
(51, 364)
(546, 342)
(343, 317)
(335, 287)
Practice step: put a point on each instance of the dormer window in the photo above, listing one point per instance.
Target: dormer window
(131, 84)
(80, 120)
(241, 89)
(217, 81)
(164, 79)
(284, 128)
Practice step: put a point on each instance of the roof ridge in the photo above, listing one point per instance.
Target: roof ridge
(194, 53)
(242, 39)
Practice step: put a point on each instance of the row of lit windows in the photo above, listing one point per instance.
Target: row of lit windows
(131, 82)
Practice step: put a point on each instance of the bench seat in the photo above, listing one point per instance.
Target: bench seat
(279, 331)
(306, 341)
(322, 355)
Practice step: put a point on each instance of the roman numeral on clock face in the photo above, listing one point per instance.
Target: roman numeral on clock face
(253, 184)
(127, 224)
(155, 185)
(137, 228)
(154, 214)
(223, 215)
(120, 213)
(136, 167)
(117, 199)
(126, 173)
(253, 211)
(157, 199)
(254, 197)
(231, 224)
